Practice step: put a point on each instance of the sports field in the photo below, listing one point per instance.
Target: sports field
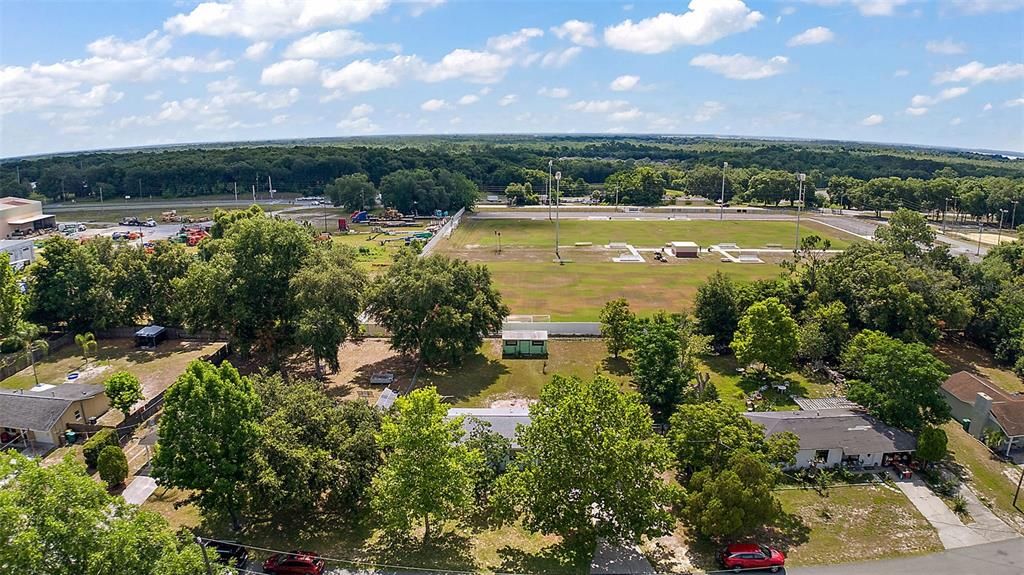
(531, 284)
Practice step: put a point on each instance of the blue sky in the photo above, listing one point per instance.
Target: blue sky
(85, 75)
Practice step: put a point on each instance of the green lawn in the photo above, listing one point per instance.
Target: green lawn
(540, 233)
(486, 376)
(992, 479)
(577, 291)
(733, 386)
(855, 523)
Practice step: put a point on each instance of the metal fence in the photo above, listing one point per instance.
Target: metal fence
(444, 233)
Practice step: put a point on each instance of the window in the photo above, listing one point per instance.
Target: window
(78, 415)
(536, 343)
(509, 343)
(821, 455)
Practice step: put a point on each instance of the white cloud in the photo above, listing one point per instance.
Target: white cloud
(554, 92)
(290, 72)
(625, 115)
(578, 32)
(987, 6)
(360, 111)
(258, 50)
(955, 121)
(873, 120)
(947, 46)
(624, 83)
(901, 73)
(878, 7)
(598, 106)
(262, 19)
(976, 72)
(229, 84)
(1013, 103)
(514, 41)
(434, 105)
(816, 35)
(508, 100)
(150, 45)
(279, 119)
(741, 67)
(947, 94)
(333, 44)
(153, 96)
(365, 75)
(986, 107)
(708, 110)
(418, 7)
(560, 58)
(705, 22)
(469, 99)
(357, 125)
(470, 65)
(917, 111)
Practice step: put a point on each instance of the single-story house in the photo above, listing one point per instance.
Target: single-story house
(980, 405)
(683, 249)
(41, 415)
(830, 437)
(531, 343)
(501, 420)
(150, 336)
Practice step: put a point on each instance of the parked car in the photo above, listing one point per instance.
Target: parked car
(295, 563)
(150, 223)
(119, 236)
(740, 556)
(231, 553)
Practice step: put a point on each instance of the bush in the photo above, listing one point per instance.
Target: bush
(95, 445)
(11, 345)
(113, 465)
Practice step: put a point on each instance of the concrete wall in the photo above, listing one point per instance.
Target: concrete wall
(580, 328)
(805, 457)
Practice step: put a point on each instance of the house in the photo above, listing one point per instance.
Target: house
(150, 336)
(830, 437)
(532, 343)
(683, 249)
(42, 414)
(22, 252)
(980, 406)
(501, 420)
(21, 216)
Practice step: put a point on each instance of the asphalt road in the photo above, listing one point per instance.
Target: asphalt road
(115, 204)
(1001, 558)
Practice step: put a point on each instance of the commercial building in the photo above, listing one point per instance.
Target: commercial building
(22, 252)
(21, 216)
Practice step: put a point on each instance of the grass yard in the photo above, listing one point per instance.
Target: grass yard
(856, 523)
(962, 355)
(540, 233)
(993, 480)
(577, 291)
(733, 386)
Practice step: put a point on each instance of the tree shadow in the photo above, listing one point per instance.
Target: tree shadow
(788, 532)
(616, 366)
(458, 383)
(558, 558)
(444, 550)
(724, 365)
(764, 385)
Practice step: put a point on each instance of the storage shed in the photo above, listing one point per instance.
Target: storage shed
(532, 343)
(150, 336)
(683, 249)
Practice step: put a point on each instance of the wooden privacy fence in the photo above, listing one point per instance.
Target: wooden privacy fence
(12, 363)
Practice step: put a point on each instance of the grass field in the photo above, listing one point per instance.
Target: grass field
(733, 386)
(992, 479)
(540, 233)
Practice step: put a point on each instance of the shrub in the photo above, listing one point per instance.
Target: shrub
(959, 505)
(113, 465)
(95, 444)
(11, 345)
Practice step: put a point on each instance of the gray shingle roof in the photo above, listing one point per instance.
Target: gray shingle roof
(855, 433)
(40, 410)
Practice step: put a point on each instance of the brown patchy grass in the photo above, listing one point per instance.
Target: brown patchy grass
(962, 355)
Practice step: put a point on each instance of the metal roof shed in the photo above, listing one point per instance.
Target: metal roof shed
(524, 343)
(150, 336)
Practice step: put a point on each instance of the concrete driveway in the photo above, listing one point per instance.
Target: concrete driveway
(953, 533)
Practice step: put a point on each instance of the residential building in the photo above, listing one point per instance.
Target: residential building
(21, 216)
(501, 420)
(981, 406)
(832, 437)
(42, 414)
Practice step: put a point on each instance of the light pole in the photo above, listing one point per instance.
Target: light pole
(1013, 215)
(551, 163)
(978, 253)
(721, 202)
(558, 180)
(497, 233)
(999, 232)
(944, 209)
(800, 197)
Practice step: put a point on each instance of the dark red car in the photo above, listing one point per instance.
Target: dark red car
(294, 563)
(740, 556)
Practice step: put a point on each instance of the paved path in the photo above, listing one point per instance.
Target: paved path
(1002, 558)
(139, 490)
(953, 533)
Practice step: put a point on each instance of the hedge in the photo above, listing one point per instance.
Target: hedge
(95, 444)
(112, 465)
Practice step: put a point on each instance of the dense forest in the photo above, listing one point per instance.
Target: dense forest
(491, 163)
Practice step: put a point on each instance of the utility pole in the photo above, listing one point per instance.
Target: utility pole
(101, 193)
(254, 193)
(17, 169)
(62, 196)
(558, 179)
(550, 164)
(236, 192)
(800, 196)
(140, 190)
(979, 238)
(721, 201)
(999, 232)
(1013, 215)
(944, 216)
(270, 187)
(206, 558)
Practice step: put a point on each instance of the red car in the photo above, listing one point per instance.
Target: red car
(740, 556)
(294, 563)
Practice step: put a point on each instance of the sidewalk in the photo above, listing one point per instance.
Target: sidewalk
(953, 533)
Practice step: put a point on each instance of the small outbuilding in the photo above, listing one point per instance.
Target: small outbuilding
(529, 343)
(683, 249)
(150, 336)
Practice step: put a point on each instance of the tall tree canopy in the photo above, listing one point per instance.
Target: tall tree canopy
(766, 335)
(717, 309)
(423, 191)
(354, 192)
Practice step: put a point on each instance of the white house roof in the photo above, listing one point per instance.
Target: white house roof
(684, 244)
(537, 334)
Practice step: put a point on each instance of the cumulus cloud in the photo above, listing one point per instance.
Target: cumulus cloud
(987, 6)
(955, 121)
(578, 32)
(365, 75)
(866, 7)
(554, 92)
(1010, 103)
(986, 107)
(214, 111)
(741, 67)
(976, 73)
(434, 105)
(598, 106)
(260, 19)
(290, 72)
(901, 73)
(333, 44)
(469, 99)
(472, 66)
(872, 120)
(560, 58)
(707, 111)
(947, 94)
(625, 115)
(947, 46)
(816, 35)
(508, 100)
(358, 120)
(150, 45)
(705, 22)
(514, 41)
(258, 50)
(624, 83)
(917, 111)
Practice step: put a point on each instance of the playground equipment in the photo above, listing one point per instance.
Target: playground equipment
(358, 217)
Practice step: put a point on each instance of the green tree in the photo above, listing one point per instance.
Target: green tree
(112, 465)
(12, 302)
(642, 185)
(931, 444)
(327, 292)
(591, 465)
(423, 191)
(87, 342)
(664, 362)
(69, 286)
(616, 321)
(766, 335)
(496, 450)
(706, 181)
(773, 186)
(717, 309)
(897, 382)
(208, 436)
(428, 474)
(735, 501)
(824, 333)
(436, 307)
(354, 192)
(906, 233)
(124, 391)
(28, 337)
(168, 262)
